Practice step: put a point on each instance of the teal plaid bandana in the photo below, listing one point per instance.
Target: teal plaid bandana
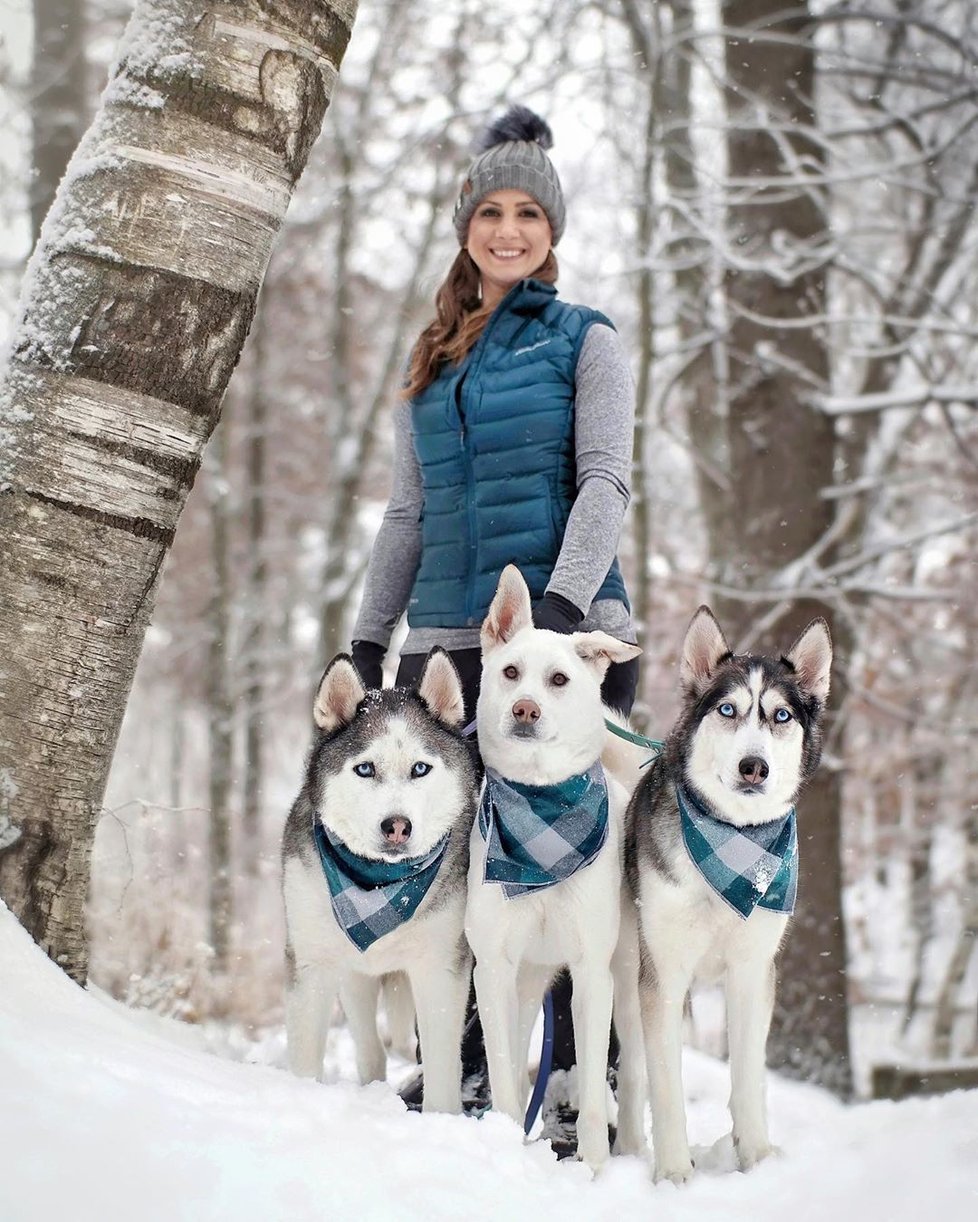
(371, 898)
(749, 867)
(538, 835)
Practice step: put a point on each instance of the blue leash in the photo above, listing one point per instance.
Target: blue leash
(546, 1061)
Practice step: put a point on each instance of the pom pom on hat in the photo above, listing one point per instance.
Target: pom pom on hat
(512, 155)
(518, 123)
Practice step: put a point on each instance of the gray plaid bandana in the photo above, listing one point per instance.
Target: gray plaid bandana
(749, 867)
(371, 898)
(538, 835)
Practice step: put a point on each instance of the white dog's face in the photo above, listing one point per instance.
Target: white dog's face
(540, 717)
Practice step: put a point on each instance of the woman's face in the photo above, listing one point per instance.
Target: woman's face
(509, 239)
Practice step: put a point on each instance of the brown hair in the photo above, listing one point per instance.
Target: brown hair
(459, 319)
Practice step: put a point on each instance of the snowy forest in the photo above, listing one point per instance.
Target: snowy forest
(205, 309)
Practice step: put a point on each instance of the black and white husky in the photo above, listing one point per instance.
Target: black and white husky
(711, 862)
(374, 860)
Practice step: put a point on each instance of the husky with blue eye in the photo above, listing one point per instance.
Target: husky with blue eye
(374, 860)
(711, 863)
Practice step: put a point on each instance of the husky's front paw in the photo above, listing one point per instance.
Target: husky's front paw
(675, 1172)
(593, 1149)
(750, 1153)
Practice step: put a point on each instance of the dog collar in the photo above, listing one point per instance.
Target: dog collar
(748, 867)
(371, 898)
(539, 835)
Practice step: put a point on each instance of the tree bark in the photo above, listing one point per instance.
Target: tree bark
(781, 457)
(59, 104)
(135, 308)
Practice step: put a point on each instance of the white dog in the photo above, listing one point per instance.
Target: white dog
(545, 866)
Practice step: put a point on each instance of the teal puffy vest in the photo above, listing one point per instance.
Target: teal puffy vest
(495, 441)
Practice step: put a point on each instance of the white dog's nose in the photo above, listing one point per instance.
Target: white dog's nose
(526, 711)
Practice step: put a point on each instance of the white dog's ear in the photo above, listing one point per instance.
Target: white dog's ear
(441, 689)
(704, 648)
(509, 611)
(811, 659)
(340, 692)
(599, 650)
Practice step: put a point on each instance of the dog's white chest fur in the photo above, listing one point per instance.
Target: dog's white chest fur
(550, 929)
(699, 929)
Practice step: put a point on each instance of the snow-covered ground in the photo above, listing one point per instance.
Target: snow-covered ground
(107, 1114)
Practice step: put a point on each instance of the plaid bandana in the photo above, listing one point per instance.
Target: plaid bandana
(371, 898)
(746, 866)
(538, 835)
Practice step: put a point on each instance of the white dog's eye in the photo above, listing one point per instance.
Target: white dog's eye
(364, 769)
(727, 709)
(558, 679)
(420, 768)
(511, 672)
(782, 715)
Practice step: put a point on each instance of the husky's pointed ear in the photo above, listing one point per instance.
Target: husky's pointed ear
(340, 692)
(704, 648)
(811, 659)
(599, 650)
(441, 688)
(509, 611)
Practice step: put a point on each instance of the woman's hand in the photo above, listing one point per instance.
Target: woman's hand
(368, 658)
(556, 613)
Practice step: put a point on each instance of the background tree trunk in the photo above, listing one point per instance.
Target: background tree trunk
(135, 308)
(59, 101)
(781, 458)
(220, 709)
(256, 593)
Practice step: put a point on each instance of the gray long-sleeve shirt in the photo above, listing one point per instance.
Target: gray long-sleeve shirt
(604, 410)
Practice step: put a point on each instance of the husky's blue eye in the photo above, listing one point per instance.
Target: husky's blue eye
(420, 768)
(727, 709)
(364, 769)
(782, 715)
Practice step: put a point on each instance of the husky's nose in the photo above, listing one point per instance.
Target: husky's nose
(753, 769)
(526, 711)
(396, 829)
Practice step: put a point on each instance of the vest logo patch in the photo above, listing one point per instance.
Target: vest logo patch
(533, 347)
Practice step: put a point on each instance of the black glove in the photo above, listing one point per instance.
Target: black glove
(368, 657)
(557, 613)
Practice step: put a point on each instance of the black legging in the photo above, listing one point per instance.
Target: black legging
(618, 692)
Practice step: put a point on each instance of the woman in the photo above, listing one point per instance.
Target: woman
(513, 443)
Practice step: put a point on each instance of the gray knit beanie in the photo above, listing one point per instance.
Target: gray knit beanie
(513, 156)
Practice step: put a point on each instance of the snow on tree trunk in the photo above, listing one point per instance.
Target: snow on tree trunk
(781, 457)
(136, 305)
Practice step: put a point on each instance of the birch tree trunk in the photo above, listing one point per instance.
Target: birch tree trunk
(135, 308)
